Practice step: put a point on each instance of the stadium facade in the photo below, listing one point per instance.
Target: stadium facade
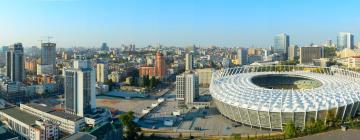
(321, 94)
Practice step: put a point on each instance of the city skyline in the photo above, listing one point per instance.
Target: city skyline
(175, 23)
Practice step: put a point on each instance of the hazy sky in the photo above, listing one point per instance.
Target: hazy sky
(176, 22)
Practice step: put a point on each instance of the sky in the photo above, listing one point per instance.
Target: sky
(227, 23)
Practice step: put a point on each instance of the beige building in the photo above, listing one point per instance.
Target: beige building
(204, 76)
(348, 53)
(251, 51)
(293, 52)
(308, 54)
(101, 72)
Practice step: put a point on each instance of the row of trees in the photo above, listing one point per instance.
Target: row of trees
(148, 82)
(312, 126)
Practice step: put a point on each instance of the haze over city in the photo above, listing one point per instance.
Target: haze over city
(230, 23)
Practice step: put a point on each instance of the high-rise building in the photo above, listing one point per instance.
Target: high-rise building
(345, 40)
(293, 52)
(102, 72)
(358, 45)
(15, 63)
(104, 47)
(242, 55)
(187, 88)
(48, 59)
(308, 54)
(48, 54)
(189, 62)
(79, 87)
(281, 44)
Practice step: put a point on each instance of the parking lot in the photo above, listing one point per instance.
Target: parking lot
(194, 120)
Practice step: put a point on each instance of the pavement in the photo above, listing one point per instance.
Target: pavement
(351, 134)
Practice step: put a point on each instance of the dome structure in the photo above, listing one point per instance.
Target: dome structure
(271, 96)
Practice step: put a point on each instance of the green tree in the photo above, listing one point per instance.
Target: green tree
(131, 129)
(329, 52)
(290, 130)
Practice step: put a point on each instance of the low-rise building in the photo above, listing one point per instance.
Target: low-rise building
(68, 123)
(353, 62)
(28, 125)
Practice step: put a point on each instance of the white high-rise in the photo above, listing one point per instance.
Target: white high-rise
(80, 88)
(189, 62)
(345, 40)
(187, 88)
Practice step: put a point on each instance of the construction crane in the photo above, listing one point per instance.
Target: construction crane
(48, 38)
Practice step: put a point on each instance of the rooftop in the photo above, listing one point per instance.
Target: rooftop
(52, 111)
(65, 115)
(40, 107)
(20, 115)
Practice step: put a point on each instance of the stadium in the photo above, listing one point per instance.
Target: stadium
(273, 95)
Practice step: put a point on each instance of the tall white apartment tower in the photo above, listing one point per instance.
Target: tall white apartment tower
(345, 40)
(187, 88)
(80, 88)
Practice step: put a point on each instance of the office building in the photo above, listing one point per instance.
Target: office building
(345, 40)
(29, 126)
(293, 52)
(187, 88)
(67, 122)
(3, 53)
(15, 63)
(80, 88)
(104, 47)
(189, 62)
(242, 55)
(308, 54)
(48, 59)
(102, 72)
(48, 54)
(281, 44)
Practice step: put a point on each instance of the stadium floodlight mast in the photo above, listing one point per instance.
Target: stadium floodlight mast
(330, 92)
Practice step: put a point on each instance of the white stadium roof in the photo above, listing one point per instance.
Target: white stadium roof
(238, 90)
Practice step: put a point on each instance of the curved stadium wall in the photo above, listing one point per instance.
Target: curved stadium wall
(238, 98)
